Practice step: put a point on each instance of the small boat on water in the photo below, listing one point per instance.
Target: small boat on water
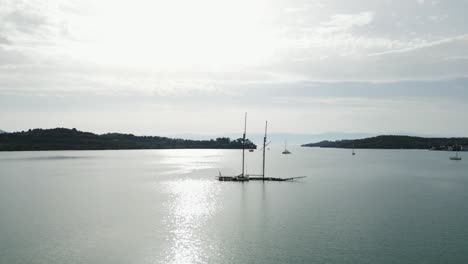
(286, 151)
(251, 150)
(456, 157)
(353, 152)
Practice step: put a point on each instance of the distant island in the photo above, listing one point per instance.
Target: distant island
(72, 139)
(396, 142)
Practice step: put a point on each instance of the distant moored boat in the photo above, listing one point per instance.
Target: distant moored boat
(456, 157)
(286, 151)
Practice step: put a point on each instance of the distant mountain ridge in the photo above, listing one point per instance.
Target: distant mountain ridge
(302, 138)
(2, 132)
(72, 139)
(394, 142)
(292, 138)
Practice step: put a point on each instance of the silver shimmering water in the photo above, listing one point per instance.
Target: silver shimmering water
(166, 206)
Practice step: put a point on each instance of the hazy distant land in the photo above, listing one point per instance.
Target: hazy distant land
(396, 142)
(72, 139)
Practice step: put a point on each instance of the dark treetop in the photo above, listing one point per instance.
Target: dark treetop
(394, 142)
(72, 139)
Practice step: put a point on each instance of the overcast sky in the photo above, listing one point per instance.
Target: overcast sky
(183, 66)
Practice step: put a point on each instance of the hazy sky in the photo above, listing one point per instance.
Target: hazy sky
(184, 66)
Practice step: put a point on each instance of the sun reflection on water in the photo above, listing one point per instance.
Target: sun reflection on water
(192, 203)
(186, 161)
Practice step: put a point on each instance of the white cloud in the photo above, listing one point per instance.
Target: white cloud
(344, 22)
(417, 46)
(222, 53)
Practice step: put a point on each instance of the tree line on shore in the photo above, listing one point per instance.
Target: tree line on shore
(396, 142)
(73, 139)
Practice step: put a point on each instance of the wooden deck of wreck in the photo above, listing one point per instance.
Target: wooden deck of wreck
(255, 178)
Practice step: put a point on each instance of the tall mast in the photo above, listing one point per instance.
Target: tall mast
(243, 143)
(264, 148)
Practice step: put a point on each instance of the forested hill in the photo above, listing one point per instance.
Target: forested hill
(72, 139)
(394, 142)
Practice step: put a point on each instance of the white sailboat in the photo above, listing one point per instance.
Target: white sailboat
(457, 155)
(286, 151)
(353, 152)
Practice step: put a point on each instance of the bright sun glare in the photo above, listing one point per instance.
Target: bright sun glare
(178, 34)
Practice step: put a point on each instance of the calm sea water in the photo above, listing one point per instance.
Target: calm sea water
(166, 206)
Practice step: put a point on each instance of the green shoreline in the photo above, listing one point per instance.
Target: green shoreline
(72, 139)
(396, 142)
